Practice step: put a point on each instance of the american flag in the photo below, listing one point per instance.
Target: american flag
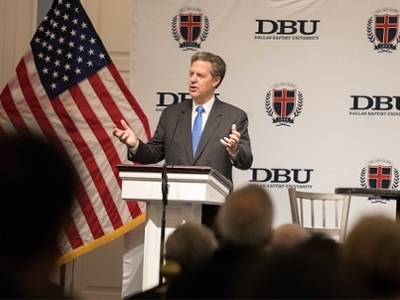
(66, 86)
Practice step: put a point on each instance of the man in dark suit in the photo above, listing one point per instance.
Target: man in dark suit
(224, 141)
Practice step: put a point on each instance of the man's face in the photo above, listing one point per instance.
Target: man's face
(201, 83)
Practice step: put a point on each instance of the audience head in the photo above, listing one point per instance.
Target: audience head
(36, 185)
(287, 236)
(190, 245)
(306, 271)
(372, 251)
(245, 219)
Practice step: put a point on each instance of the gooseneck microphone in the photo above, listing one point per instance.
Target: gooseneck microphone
(164, 176)
(164, 190)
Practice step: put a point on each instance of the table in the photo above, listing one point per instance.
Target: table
(384, 194)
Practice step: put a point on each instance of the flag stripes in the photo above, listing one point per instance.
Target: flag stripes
(81, 116)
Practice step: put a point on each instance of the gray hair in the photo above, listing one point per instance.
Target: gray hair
(190, 245)
(287, 236)
(246, 217)
(218, 66)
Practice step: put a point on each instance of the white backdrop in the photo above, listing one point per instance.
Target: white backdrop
(330, 52)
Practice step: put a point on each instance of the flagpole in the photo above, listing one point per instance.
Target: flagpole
(62, 278)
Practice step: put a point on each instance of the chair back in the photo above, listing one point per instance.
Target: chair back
(325, 213)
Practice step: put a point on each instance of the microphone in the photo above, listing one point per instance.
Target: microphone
(164, 177)
(164, 189)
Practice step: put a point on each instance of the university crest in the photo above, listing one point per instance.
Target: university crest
(379, 174)
(190, 27)
(383, 30)
(284, 103)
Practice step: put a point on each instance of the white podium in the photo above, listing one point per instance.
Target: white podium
(189, 188)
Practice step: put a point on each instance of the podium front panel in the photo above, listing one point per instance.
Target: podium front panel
(183, 188)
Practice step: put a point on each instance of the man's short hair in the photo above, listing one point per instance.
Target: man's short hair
(246, 217)
(218, 66)
(190, 245)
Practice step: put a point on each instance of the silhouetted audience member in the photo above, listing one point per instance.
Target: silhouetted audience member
(187, 248)
(245, 219)
(287, 236)
(245, 222)
(309, 270)
(372, 251)
(36, 188)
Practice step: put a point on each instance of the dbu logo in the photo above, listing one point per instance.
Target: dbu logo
(375, 102)
(169, 98)
(299, 176)
(286, 27)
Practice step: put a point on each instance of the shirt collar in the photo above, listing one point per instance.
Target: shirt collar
(207, 106)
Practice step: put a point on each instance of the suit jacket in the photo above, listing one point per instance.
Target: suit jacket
(172, 140)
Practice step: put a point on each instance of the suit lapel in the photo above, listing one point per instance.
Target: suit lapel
(187, 131)
(213, 121)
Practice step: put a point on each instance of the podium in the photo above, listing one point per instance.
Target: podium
(189, 188)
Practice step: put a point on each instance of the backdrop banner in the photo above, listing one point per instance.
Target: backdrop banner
(317, 79)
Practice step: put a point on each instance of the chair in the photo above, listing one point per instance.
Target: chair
(325, 213)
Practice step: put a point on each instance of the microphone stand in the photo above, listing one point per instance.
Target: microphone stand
(164, 190)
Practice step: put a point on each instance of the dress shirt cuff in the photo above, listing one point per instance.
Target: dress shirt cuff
(134, 149)
(233, 157)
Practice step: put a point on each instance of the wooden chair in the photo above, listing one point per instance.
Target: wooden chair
(325, 213)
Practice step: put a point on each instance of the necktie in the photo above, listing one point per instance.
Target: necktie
(197, 129)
